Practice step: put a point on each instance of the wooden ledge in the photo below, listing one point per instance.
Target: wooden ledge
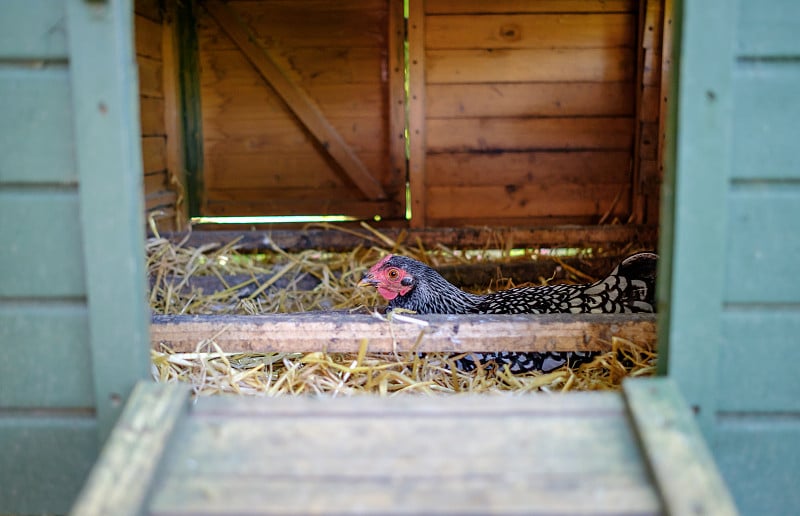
(338, 332)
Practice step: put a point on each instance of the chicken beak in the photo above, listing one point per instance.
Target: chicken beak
(368, 281)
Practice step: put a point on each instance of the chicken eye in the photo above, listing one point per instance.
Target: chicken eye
(393, 274)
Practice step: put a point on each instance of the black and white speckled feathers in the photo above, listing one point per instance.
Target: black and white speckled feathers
(412, 285)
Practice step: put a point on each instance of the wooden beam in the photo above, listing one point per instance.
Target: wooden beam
(666, 80)
(416, 111)
(134, 451)
(681, 465)
(297, 99)
(345, 239)
(172, 111)
(397, 94)
(338, 332)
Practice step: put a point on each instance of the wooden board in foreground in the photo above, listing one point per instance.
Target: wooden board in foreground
(589, 453)
(337, 332)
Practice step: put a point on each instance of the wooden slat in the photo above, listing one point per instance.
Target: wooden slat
(765, 118)
(652, 68)
(648, 144)
(771, 386)
(759, 458)
(263, 169)
(46, 458)
(302, 105)
(316, 24)
(396, 131)
(457, 237)
(33, 29)
(767, 222)
(683, 468)
(173, 112)
(335, 460)
(526, 200)
(768, 29)
(120, 480)
(54, 253)
(227, 135)
(522, 6)
(151, 9)
(650, 111)
(530, 31)
(243, 99)
(666, 84)
(515, 134)
(151, 113)
(151, 82)
(530, 99)
(518, 168)
(323, 202)
(345, 333)
(37, 123)
(108, 154)
(417, 112)
(154, 157)
(523, 65)
(148, 37)
(155, 182)
(41, 337)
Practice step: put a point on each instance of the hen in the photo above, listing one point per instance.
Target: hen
(412, 285)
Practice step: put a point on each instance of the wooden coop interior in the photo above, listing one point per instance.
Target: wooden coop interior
(537, 124)
(441, 115)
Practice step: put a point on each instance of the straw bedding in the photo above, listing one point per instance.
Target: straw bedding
(219, 280)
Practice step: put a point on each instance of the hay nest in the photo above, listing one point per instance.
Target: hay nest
(219, 280)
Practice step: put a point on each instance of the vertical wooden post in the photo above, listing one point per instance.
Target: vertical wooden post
(395, 41)
(108, 154)
(186, 27)
(416, 114)
(693, 247)
(666, 77)
(172, 110)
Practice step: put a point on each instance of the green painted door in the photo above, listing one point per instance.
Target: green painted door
(73, 317)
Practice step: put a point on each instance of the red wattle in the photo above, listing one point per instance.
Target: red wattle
(387, 294)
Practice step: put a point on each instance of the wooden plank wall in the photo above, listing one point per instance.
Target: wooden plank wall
(70, 206)
(157, 66)
(259, 158)
(529, 111)
(734, 237)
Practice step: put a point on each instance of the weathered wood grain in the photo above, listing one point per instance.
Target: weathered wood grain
(133, 453)
(336, 332)
(527, 200)
(682, 465)
(530, 99)
(521, 168)
(148, 37)
(510, 134)
(521, 65)
(151, 116)
(321, 202)
(151, 83)
(530, 31)
(522, 6)
(417, 113)
(154, 154)
(334, 457)
(302, 105)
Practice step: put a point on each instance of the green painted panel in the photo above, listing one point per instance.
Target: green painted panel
(105, 99)
(33, 29)
(37, 143)
(768, 28)
(45, 461)
(41, 255)
(766, 115)
(758, 362)
(695, 201)
(760, 460)
(50, 345)
(763, 244)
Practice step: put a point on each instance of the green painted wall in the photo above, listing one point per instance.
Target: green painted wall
(732, 231)
(73, 317)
